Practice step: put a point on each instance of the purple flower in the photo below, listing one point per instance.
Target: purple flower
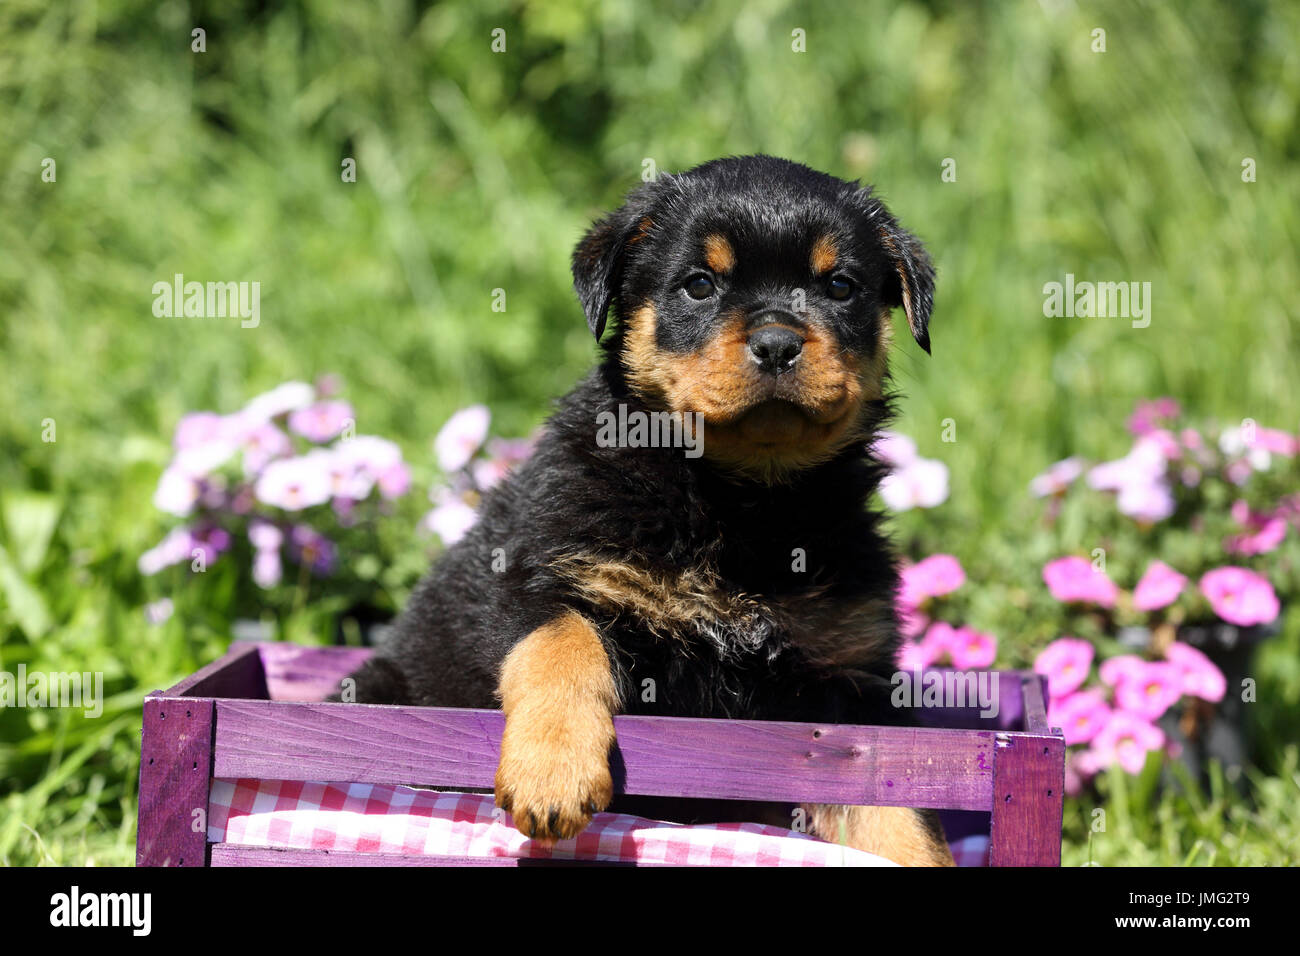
(1240, 596)
(1074, 580)
(1148, 415)
(1140, 479)
(312, 548)
(322, 421)
(369, 454)
(1200, 677)
(1160, 587)
(1057, 478)
(1064, 663)
(461, 437)
(1263, 532)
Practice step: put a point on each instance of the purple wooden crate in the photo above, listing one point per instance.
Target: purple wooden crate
(258, 713)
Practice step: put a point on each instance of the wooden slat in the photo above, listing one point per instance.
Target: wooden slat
(656, 756)
(1035, 707)
(1028, 800)
(175, 774)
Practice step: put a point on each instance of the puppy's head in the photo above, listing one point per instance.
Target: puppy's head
(756, 292)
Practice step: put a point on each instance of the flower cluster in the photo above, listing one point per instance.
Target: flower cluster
(473, 464)
(1114, 719)
(274, 473)
(921, 586)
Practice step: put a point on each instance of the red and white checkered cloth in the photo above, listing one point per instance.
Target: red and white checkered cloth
(368, 818)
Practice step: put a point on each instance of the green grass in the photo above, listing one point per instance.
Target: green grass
(478, 171)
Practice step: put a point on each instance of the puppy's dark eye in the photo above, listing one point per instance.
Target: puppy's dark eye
(699, 287)
(839, 288)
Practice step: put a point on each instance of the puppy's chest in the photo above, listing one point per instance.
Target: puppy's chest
(703, 614)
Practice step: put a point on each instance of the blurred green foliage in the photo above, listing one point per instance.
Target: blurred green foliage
(478, 170)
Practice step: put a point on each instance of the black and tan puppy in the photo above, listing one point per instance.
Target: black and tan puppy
(744, 572)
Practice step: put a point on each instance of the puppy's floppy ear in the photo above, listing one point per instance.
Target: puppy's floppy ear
(912, 283)
(598, 258)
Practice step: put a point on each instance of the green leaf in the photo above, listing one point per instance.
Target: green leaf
(25, 604)
(29, 520)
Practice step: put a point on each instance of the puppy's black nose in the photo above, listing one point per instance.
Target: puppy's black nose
(775, 347)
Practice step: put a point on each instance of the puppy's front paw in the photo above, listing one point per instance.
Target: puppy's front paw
(554, 771)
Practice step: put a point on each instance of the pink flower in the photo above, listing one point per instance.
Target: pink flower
(1080, 715)
(1057, 478)
(394, 481)
(935, 576)
(922, 483)
(264, 536)
(1147, 414)
(1115, 670)
(1240, 596)
(200, 428)
(1074, 580)
(322, 421)
(938, 641)
(1065, 663)
(294, 483)
(1140, 478)
(1149, 502)
(1276, 442)
(262, 445)
(1159, 587)
(177, 492)
(368, 452)
(913, 657)
(1264, 532)
(1149, 691)
(278, 401)
(1200, 677)
(911, 622)
(894, 449)
(173, 549)
(970, 648)
(461, 437)
(1126, 739)
(451, 518)
(267, 569)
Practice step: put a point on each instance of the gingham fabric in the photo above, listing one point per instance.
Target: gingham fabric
(367, 818)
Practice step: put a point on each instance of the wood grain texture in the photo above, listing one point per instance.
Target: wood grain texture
(175, 775)
(655, 756)
(1028, 800)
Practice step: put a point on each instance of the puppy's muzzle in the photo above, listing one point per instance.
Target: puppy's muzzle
(775, 347)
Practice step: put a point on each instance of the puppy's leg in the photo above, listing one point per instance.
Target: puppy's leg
(905, 836)
(559, 698)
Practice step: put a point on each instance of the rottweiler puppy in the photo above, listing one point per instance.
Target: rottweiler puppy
(697, 513)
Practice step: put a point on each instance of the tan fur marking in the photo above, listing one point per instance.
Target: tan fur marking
(905, 836)
(559, 699)
(669, 604)
(642, 230)
(824, 255)
(718, 254)
(820, 407)
(892, 248)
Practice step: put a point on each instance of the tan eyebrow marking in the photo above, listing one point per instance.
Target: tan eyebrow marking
(824, 255)
(718, 254)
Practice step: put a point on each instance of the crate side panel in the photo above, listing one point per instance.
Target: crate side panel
(175, 772)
